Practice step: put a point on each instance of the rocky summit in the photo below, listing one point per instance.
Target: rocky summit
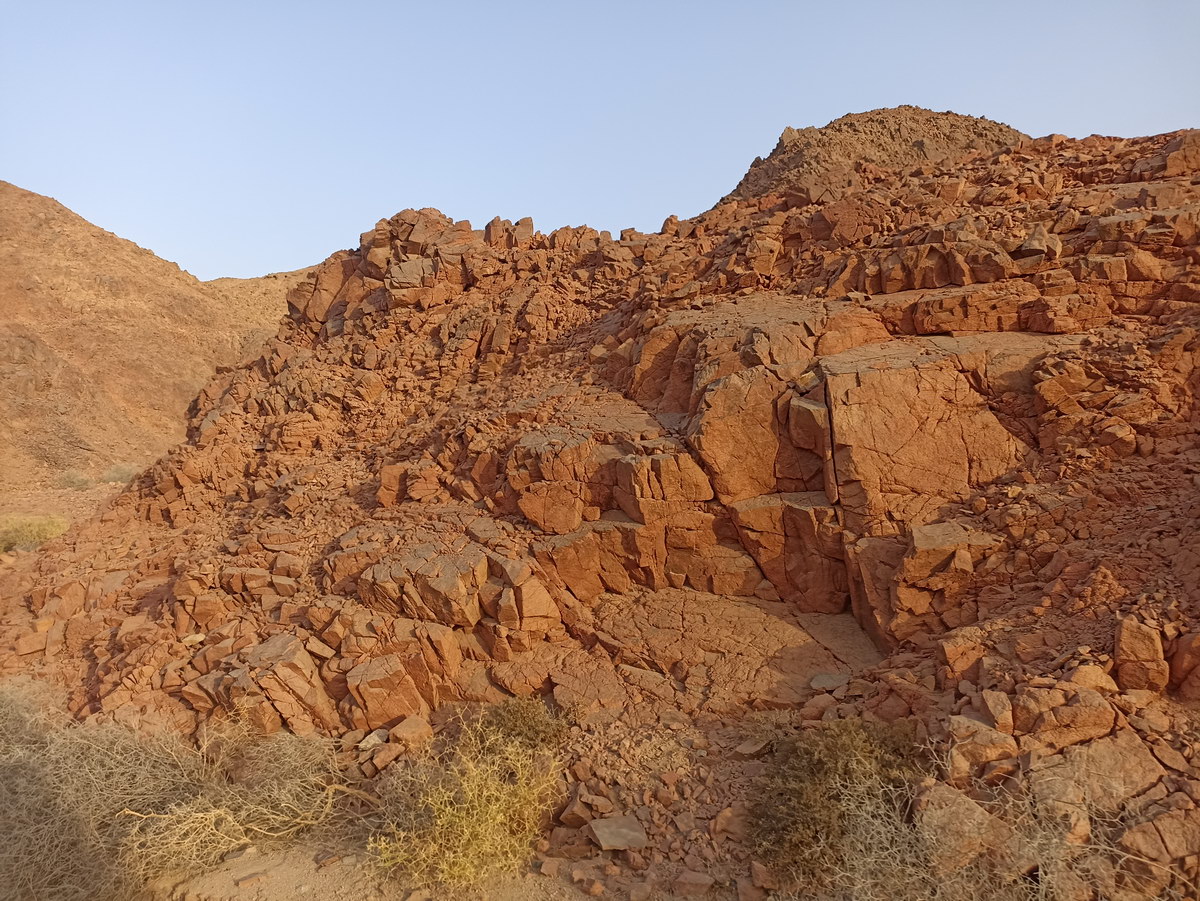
(903, 428)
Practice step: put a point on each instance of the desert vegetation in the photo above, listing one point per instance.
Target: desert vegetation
(120, 472)
(73, 480)
(853, 811)
(99, 811)
(474, 811)
(846, 810)
(24, 532)
(805, 819)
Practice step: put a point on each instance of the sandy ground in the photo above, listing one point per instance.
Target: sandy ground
(289, 875)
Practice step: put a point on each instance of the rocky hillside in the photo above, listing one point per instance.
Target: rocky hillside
(819, 164)
(103, 345)
(921, 449)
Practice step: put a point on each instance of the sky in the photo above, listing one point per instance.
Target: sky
(239, 138)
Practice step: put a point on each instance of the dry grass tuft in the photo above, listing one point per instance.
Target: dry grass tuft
(836, 823)
(473, 812)
(74, 480)
(25, 532)
(802, 820)
(98, 811)
(120, 472)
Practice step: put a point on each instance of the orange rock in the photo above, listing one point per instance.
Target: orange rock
(384, 693)
(1139, 657)
(647, 477)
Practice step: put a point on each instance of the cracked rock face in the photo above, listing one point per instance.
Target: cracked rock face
(936, 432)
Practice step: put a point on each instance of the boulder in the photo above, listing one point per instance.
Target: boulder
(384, 693)
(958, 830)
(941, 438)
(796, 541)
(1138, 653)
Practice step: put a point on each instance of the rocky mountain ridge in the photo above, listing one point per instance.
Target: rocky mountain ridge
(816, 163)
(920, 446)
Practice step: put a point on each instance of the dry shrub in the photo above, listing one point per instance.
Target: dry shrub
(887, 858)
(526, 721)
(120, 472)
(835, 822)
(803, 817)
(74, 480)
(98, 811)
(24, 532)
(474, 811)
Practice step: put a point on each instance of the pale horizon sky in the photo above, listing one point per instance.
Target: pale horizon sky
(237, 139)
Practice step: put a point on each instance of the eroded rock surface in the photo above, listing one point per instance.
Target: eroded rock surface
(921, 448)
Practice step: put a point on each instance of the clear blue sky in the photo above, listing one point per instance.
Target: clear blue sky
(237, 138)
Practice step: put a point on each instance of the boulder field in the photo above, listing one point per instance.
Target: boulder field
(908, 438)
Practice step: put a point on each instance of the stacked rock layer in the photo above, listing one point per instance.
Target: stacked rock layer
(915, 442)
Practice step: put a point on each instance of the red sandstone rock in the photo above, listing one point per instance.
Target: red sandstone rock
(1139, 656)
(653, 474)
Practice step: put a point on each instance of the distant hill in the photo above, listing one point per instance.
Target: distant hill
(103, 344)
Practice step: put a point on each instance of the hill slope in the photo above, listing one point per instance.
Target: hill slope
(102, 344)
(924, 452)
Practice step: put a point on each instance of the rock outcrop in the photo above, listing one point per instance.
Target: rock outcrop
(950, 408)
(822, 164)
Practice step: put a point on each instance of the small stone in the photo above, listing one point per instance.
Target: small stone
(1171, 758)
(618, 833)
(761, 876)
(413, 731)
(373, 740)
(240, 853)
(692, 884)
(31, 643)
(1091, 676)
(1139, 655)
(326, 858)
(385, 755)
(729, 823)
(829, 681)
(751, 748)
